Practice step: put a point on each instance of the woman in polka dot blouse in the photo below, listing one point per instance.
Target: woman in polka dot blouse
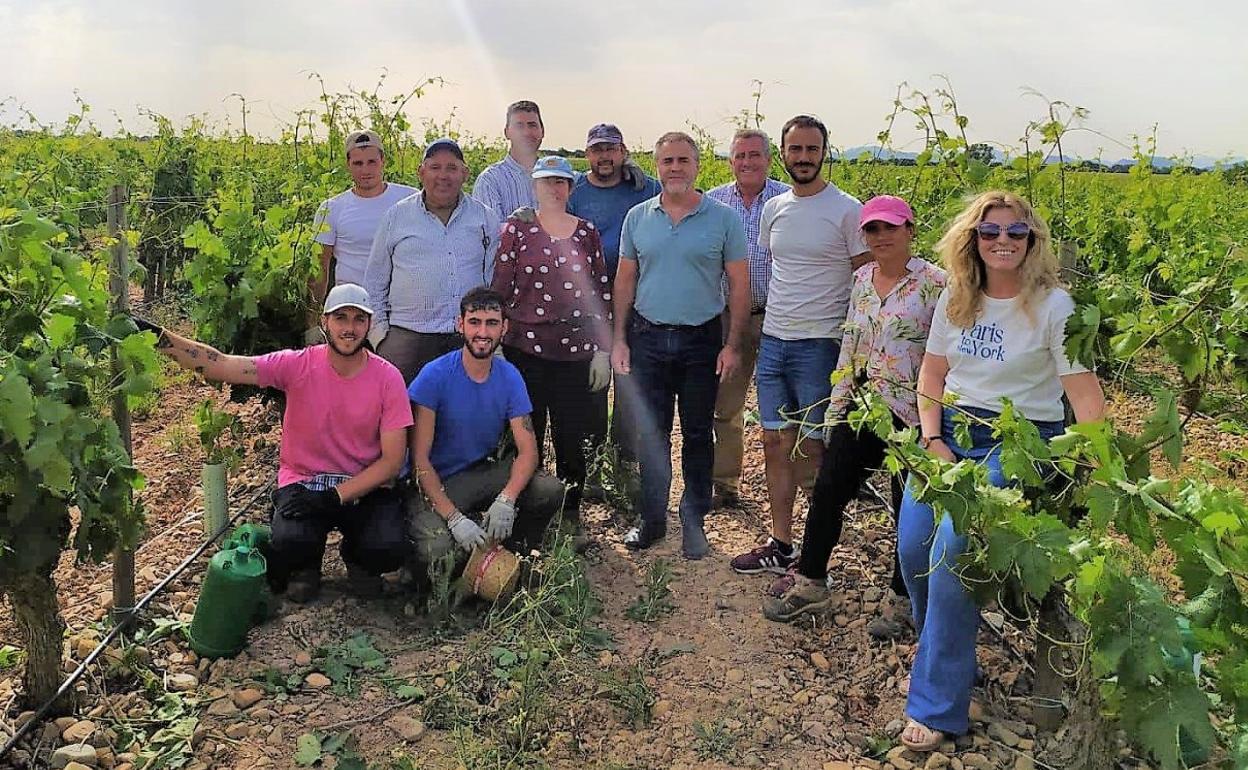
(552, 272)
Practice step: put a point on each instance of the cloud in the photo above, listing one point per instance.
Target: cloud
(649, 66)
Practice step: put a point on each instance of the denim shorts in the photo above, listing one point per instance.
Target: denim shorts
(794, 379)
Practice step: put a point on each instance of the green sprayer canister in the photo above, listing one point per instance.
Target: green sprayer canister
(255, 536)
(232, 591)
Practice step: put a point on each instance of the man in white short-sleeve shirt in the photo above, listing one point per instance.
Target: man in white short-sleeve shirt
(812, 231)
(346, 223)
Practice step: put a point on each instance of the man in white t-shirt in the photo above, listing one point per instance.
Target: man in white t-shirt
(345, 224)
(812, 231)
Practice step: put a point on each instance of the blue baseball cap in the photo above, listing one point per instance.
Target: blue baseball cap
(553, 165)
(445, 143)
(604, 133)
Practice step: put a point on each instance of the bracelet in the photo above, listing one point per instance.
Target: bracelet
(926, 441)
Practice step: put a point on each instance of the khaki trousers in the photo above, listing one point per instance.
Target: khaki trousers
(730, 410)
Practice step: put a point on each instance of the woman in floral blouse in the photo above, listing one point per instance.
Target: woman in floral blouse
(890, 312)
(552, 272)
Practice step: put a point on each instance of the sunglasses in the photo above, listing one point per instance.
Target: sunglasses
(991, 231)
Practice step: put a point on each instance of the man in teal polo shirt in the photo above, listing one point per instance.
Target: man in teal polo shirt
(675, 250)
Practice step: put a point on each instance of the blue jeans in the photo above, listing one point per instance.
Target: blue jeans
(945, 614)
(674, 366)
(794, 380)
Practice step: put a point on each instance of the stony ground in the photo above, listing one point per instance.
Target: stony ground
(709, 683)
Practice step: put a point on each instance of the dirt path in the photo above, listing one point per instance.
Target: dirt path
(723, 686)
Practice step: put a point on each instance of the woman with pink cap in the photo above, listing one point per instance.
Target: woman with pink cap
(890, 311)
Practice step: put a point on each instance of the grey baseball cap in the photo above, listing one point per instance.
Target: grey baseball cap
(347, 295)
(604, 133)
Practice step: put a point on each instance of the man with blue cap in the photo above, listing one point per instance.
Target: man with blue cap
(430, 249)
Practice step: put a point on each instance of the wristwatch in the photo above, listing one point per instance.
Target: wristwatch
(926, 441)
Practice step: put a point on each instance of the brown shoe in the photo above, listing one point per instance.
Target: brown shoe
(304, 586)
(725, 498)
(362, 583)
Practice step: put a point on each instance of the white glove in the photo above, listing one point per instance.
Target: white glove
(599, 371)
(466, 532)
(378, 333)
(313, 336)
(500, 518)
(634, 174)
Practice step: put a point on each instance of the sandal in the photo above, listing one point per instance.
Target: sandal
(930, 739)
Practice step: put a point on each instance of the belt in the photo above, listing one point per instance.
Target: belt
(673, 327)
(759, 311)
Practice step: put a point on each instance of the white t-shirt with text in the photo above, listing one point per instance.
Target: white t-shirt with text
(348, 223)
(812, 240)
(1006, 354)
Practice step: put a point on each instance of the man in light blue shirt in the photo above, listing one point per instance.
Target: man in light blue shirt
(507, 185)
(675, 251)
(603, 195)
(430, 249)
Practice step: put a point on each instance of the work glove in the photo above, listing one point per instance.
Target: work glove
(525, 214)
(145, 325)
(322, 504)
(466, 532)
(313, 336)
(632, 172)
(500, 518)
(599, 371)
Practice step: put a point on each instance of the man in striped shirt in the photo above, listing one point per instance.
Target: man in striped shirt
(430, 249)
(507, 185)
(750, 157)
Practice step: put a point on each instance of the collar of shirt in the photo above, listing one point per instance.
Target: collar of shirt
(459, 206)
(656, 204)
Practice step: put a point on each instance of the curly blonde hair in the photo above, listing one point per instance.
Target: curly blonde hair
(959, 252)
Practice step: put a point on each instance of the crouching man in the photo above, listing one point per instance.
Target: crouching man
(343, 437)
(463, 401)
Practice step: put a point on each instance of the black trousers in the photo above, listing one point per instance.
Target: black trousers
(848, 460)
(374, 533)
(578, 418)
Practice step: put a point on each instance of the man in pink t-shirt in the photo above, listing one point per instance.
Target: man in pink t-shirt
(344, 434)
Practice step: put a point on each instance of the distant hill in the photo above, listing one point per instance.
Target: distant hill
(1205, 162)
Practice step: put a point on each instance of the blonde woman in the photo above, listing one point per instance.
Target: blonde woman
(998, 332)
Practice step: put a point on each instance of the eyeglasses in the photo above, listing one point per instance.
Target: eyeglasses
(991, 231)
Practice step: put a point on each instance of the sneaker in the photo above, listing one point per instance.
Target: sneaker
(362, 583)
(782, 584)
(646, 535)
(766, 558)
(304, 586)
(802, 598)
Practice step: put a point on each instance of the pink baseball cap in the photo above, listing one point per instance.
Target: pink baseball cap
(886, 208)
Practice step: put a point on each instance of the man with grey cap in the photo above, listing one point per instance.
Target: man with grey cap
(603, 195)
(344, 433)
(429, 250)
(345, 224)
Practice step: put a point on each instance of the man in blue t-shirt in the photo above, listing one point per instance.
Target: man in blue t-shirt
(603, 195)
(462, 402)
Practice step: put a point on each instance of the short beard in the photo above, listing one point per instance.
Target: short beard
(333, 345)
(795, 171)
(615, 173)
(473, 351)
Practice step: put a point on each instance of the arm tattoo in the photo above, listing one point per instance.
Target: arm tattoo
(192, 351)
(213, 355)
(163, 342)
(526, 422)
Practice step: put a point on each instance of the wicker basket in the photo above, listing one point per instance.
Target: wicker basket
(492, 573)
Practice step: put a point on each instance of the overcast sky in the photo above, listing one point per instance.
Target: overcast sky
(649, 66)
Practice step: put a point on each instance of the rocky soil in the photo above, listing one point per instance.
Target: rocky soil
(723, 686)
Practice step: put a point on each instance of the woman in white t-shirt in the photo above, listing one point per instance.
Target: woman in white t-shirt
(998, 332)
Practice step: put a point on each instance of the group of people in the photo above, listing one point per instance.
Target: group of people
(514, 308)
